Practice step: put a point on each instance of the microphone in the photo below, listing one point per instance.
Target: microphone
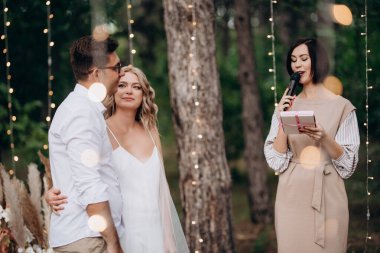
(294, 82)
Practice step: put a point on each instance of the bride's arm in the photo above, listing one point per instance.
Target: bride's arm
(55, 200)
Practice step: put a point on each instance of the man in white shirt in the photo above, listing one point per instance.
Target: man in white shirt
(80, 155)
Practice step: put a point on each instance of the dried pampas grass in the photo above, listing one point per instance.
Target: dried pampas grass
(46, 211)
(1, 187)
(12, 200)
(48, 183)
(31, 216)
(34, 182)
(45, 161)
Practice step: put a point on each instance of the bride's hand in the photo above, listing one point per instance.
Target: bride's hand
(55, 200)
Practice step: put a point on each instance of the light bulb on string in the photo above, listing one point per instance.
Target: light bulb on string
(195, 89)
(272, 52)
(50, 44)
(12, 117)
(131, 35)
(368, 87)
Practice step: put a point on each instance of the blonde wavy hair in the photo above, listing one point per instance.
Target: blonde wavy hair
(147, 112)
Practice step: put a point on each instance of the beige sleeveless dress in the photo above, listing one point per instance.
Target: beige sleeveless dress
(311, 210)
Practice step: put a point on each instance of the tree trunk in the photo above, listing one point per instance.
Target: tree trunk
(252, 117)
(206, 190)
(326, 30)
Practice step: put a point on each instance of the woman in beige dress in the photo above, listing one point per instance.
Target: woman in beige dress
(311, 209)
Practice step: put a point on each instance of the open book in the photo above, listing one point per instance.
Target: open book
(292, 121)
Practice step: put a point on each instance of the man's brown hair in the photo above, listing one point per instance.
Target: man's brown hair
(87, 52)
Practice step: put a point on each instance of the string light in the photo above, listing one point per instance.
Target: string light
(132, 51)
(50, 77)
(272, 53)
(194, 88)
(368, 87)
(12, 117)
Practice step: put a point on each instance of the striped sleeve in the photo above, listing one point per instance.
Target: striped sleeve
(348, 138)
(277, 161)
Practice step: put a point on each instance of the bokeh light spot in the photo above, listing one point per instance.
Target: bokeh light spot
(333, 84)
(310, 157)
(100, 32)
(341, 14)
(90, 158)
(97, 223)
(97, 92)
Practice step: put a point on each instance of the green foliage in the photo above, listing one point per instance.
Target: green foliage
(29, 134)
(261, 243)
(293, 19)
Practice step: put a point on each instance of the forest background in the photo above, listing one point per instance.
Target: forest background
(293, 19)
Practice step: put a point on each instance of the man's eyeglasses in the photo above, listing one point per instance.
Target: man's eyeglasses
(116, 68)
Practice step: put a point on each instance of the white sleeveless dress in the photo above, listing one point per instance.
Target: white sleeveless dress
(139, 184)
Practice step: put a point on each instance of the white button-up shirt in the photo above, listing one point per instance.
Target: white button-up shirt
(80, 157)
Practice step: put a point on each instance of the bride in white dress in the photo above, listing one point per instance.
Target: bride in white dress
(150, 219)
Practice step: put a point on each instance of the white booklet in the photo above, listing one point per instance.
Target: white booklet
(292, 121)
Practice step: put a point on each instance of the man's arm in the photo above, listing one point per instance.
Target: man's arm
(84, 146)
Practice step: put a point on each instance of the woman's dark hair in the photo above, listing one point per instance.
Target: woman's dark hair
(318, 57)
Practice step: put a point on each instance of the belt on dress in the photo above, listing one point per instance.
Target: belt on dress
(318, 200)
